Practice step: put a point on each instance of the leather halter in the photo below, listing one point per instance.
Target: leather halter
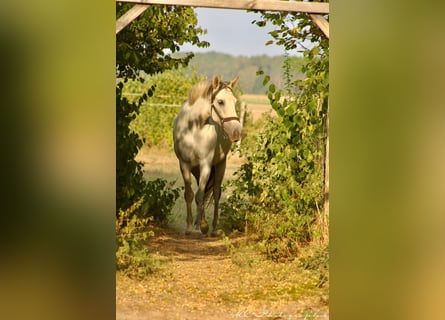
(221, 118)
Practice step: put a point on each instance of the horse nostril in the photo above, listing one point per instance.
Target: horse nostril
(236, 136)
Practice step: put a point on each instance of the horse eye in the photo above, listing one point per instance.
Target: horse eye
(220, 102)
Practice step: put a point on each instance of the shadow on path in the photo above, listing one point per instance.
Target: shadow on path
(178, 246)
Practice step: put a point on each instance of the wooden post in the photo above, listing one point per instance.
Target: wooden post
(241, 120)
(129, 16)
(321, 22)
(326, 180)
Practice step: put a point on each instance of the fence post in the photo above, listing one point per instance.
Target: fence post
(241, 120)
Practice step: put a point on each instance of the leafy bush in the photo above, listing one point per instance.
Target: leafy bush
(317, 261)
(154, 125)
(129, 177)
(154, 122)
(278, 194)
(158, 196)
(145, 53)
(132, 255)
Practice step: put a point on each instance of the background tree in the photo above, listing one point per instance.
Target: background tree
(229, 66)
(148, 45)
(150, 41)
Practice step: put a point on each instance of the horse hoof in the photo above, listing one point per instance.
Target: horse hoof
(187, 233)
(204, 228)
(215, 233)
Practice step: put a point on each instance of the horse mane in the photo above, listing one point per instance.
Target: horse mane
(204, 89)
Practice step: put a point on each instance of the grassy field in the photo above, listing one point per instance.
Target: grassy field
(257, 105)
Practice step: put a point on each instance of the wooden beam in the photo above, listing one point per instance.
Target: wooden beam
(261, 5)
(321, 22)
(325, 220)
(129, 16)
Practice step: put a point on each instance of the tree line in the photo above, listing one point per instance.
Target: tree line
(229, 66)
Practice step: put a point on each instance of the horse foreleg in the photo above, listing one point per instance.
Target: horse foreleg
(188, 196)
(216, 196)
(201, 219)
(219, 174)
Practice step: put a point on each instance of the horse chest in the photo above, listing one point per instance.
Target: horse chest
(206, 144)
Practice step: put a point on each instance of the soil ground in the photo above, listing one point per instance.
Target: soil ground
(202, 280)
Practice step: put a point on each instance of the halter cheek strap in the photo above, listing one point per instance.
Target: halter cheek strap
(222, 119)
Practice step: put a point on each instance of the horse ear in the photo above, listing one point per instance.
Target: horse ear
(215, 81)
(234, 82)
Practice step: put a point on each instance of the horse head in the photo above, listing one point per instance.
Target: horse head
(223, 103)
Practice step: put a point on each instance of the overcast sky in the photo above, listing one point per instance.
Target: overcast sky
(231, 31)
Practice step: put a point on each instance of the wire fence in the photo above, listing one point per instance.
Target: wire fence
(153, 104)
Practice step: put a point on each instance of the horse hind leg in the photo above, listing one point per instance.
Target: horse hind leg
(196, 174)
(188, 196)
(219, 174)
(201, 222)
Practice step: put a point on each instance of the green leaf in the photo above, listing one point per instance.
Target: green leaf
(260, 23)
(274, 33)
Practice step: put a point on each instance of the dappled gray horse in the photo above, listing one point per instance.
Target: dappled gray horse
(203, 132)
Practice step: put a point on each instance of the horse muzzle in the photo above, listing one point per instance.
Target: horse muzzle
(233, 129)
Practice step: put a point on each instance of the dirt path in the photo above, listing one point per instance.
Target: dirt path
(202, 280)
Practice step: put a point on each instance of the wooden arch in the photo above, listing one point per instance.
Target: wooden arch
(316, 10)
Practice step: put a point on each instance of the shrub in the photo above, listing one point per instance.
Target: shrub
(278, 193)
(132, 255)
(160, 197)
(157, 196)
(129, 175)
(317, 260)
(275, 194)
